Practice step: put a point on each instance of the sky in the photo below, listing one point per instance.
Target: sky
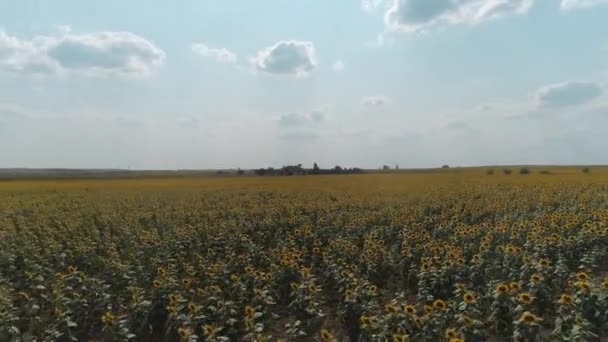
(202, 84)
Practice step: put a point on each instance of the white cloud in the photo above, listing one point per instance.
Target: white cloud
(295, 119)
(567, 94)
(222, 55)
(287, 57)
(420, 15)
(574, 4)
(369, 5)
(376, 100)
(338, 65)
(92, 54)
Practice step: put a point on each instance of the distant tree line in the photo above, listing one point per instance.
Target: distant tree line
(298, 170)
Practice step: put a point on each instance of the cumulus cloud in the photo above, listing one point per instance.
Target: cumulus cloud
(574, 4)
(566, 94)
(419, 15)
(296, 119)
(338, 65)
(287, 57)
(376, 100)
(93, 54)
(222, 55)
(369, 5)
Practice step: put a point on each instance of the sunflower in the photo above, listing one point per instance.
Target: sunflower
(543, 262)
(583, 285)
(249, 311)
(409, 309)
(466, 320)
(451, 333)
(391, 309)
(461, 287)
(605, 284)
(502, 289)
(157, 284)
(400, 338)
(326, 336)
(72, 269)
(192, 307)
(529, 318)
(582, 276)
(186, 282)
(525, 298)
(366, 322)
(469, 297)
(515, 286)
(314, 288)
(439, 304)
(200, 292)
(373, 289)
(566, 299)
(209, 330)
(183, 331)
(173, 299)
(108, 319)
(456, 339)
(536, 278)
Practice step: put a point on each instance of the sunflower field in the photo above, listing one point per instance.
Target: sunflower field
(452, 255)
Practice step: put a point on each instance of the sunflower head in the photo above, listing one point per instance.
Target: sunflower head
(391, 309)
(366, 321)
(183, 331)
(466, 320)
(502, 289)
(409, 309)
(249, 311)
(536, 278)
(439, 304)
(373, 289)
(108, 319)
(582, 276)
(451, 333)
(583, 285)
(525, 298)
(400, 338)
(566, 299)
(515, 286)
(209, 330)
(469, 297)
(326, 336)
(529, 318)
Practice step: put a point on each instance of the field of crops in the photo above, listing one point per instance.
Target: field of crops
(450, 255)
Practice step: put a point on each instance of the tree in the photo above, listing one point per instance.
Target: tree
(315, 169)
(386, 167)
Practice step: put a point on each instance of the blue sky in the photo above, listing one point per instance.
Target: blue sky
(216, 84)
